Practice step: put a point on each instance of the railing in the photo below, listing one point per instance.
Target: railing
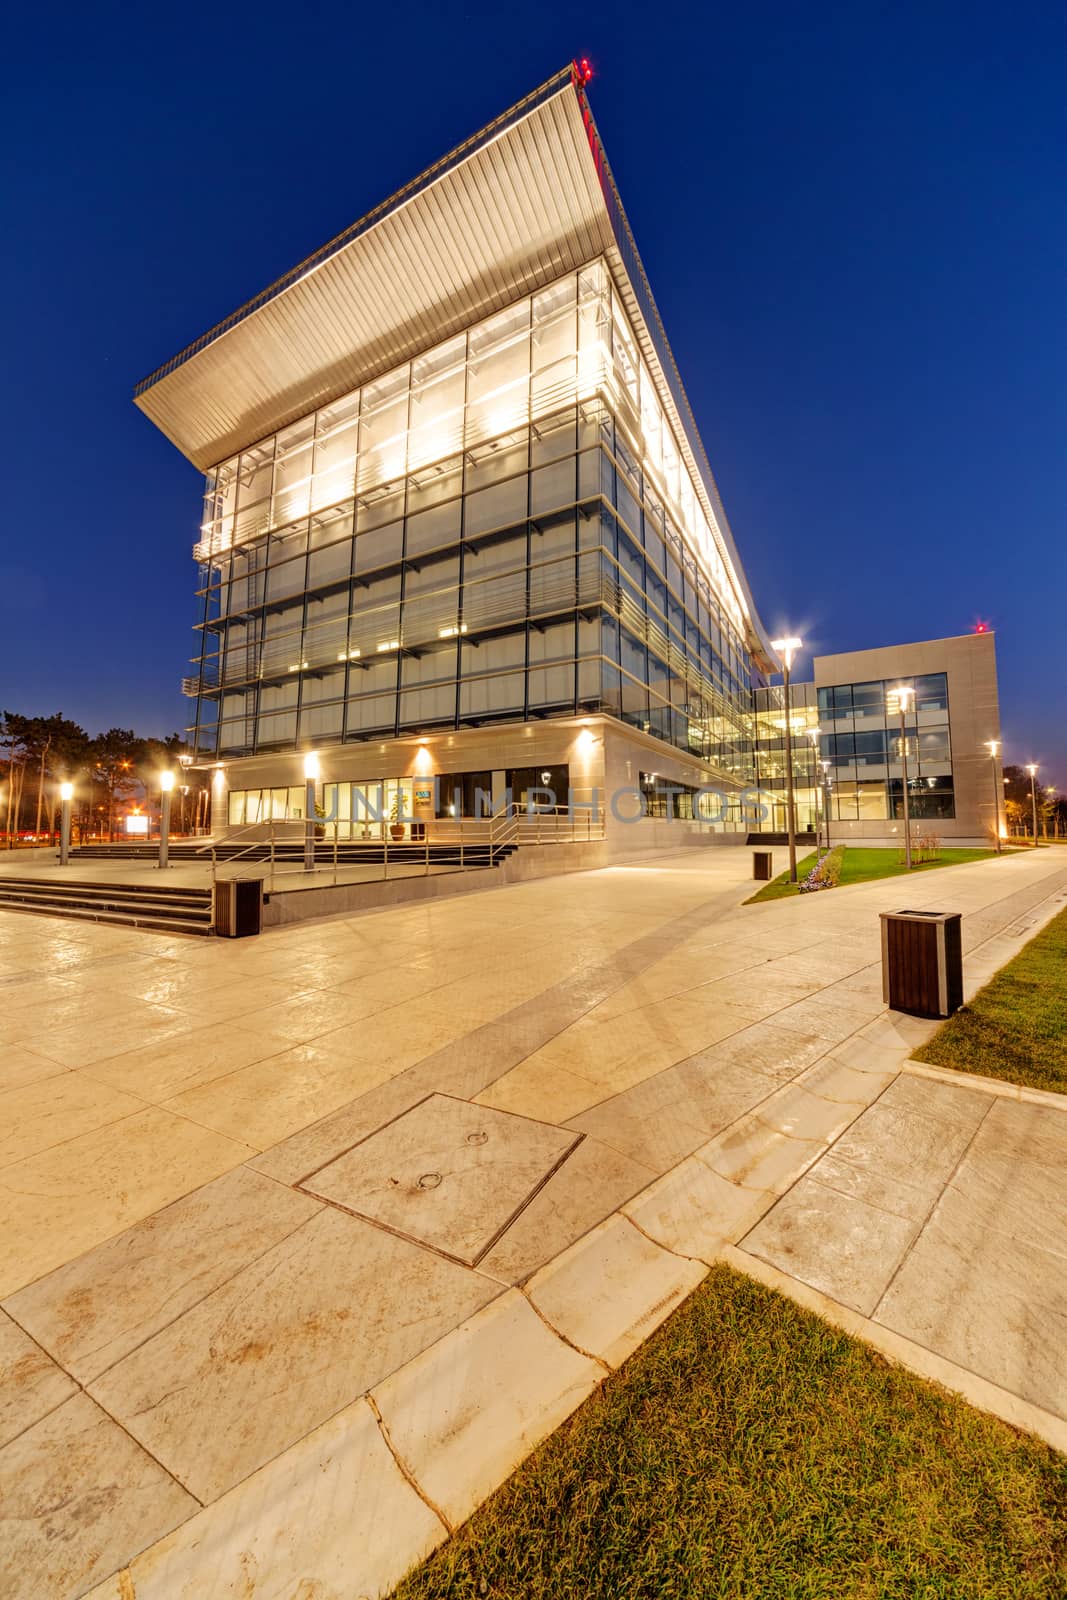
(472, 842)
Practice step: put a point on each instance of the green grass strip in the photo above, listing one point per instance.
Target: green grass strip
(864, 866)
(1016, 1027)
(749, 1451)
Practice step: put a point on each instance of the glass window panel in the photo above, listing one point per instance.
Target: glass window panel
(335, 452)
(553, 486)
(492, 654)
(439, 525)
(375, 714)
(552, 437)
(436, 703)
(292, 471)
(483, 697)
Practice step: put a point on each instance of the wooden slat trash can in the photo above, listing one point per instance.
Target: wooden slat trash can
(762, 867)
(922, 962)
(238, 907)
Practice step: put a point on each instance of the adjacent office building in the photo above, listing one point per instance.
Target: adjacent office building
(459, 525)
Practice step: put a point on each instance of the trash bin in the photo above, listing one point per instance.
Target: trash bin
(922, 962)
(762, 864)
(238, 907)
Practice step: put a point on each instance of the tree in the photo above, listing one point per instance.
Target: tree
(116, 757)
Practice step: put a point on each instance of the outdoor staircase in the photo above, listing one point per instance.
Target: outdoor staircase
(160, 909)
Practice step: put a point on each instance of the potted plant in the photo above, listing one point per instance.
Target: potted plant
(396, 827)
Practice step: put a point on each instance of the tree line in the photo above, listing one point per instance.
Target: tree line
(37, 754)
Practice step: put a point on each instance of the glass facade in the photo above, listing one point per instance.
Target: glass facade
(502, 529)
(862, 742)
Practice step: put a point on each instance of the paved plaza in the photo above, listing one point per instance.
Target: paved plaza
(309, 1239)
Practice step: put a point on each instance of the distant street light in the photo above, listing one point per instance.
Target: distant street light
(1050, 790)
(66, 795)
(898, 700)
(993, 746)
(786, 649)
(166, 784)
(311, 773)
(1032, 770)
(813, 735)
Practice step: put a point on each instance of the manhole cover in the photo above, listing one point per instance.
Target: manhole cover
(396, 1177)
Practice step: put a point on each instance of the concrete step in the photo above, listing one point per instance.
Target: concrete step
(166, 910)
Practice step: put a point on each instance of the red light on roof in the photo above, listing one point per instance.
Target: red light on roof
(981, 627)
(585, 71)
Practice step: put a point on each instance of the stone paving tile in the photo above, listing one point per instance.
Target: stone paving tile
(694, 1212)
(322, 1141)
(39, 1115)
(465, 1413)
(20, 1066)
(942, 1101)
(1033, 1133)
(989, 1301)
(593, 1182)
(887, 1194)
(833, 1241)
(95, 1310)
(663, 1120)
(267, 1101)
(911, 1148)
(78, 1498)
(71, 1197)
(611, 1289)
(184, 1061)
(318, 1319)
(332, 1516)
(31, 1384)
(447, 1174)
(755, 1156)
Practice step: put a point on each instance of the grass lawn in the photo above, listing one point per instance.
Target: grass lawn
(1016, 1027)
(861, 866)
(750, 1451)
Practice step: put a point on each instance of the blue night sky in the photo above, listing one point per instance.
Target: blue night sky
(852, 219)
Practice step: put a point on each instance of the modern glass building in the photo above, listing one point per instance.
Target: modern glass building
(458, 520)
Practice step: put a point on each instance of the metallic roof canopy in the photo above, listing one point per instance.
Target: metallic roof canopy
(528, 198)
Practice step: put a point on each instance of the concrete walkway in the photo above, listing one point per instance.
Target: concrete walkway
(310, 1239)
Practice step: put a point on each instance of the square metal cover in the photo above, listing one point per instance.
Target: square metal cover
(447, 1174)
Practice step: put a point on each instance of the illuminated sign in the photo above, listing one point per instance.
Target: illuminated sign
(137, 824)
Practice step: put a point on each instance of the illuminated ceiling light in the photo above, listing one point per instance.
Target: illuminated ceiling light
(390, 644)
(354, 655)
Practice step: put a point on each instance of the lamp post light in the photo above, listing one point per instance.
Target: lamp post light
(826, 788)
(898, 700)
(786, 649)
(1032, 770)
(66, 795)
(166, 784)
(993, 746)
(311, 773)
(813, 735)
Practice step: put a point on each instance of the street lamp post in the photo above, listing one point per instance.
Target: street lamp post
(1050, 790)
(166, 784)
(311, 773)
(825, 765)
(898, 701)
(813, 735)
(66, 795)
(993, 745)
(1032, 770)
(786, 649)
